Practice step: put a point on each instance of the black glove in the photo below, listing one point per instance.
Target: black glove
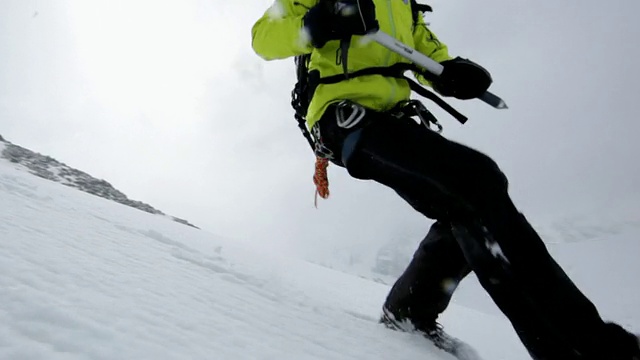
(335, 20)
(462, 79)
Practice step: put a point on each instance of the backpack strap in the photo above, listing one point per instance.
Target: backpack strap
(395, 71)
(309, 80)
(301, 96)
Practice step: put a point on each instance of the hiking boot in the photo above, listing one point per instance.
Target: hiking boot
(392, 322)
(433, 331)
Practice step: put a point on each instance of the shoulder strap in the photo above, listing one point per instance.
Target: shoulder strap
(300, 95)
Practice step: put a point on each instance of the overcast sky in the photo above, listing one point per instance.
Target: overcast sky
(166, 100)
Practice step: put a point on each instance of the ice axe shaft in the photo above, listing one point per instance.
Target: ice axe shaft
(426, 62)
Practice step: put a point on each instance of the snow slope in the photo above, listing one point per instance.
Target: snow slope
(86, 278)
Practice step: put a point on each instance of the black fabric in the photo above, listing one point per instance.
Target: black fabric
(333, 137)
(319, 22)
(468, 194)
(462, 79)
(338, 20)
(301, 95)
(419, 8)
(425, 288)
(356, 17)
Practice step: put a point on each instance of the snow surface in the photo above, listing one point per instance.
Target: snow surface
(87, 278)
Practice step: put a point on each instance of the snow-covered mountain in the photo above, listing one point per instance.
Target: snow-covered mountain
(88, 278)
(51, 169)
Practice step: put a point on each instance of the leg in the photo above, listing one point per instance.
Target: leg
(425, 288)
(456, 183)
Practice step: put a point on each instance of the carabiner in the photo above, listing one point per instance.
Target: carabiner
(356, 114)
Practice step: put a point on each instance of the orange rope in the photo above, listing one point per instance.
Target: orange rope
(321, 179)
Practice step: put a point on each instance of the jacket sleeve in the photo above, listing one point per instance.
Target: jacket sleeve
(278, 33)
(428, 44)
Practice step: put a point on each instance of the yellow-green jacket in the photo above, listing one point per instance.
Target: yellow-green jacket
(278, 34)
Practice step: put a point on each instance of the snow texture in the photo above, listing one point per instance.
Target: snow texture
(88, 278)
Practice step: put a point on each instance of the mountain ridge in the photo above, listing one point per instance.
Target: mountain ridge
(51, 169)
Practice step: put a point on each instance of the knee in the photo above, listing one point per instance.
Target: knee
(493, 177)
(488, 180)
(354, 161)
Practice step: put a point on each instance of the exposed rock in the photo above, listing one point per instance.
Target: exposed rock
(51, 169)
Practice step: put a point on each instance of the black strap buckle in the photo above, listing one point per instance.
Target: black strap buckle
(413, 108)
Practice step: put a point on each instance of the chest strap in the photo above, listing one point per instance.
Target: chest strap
(394, 71)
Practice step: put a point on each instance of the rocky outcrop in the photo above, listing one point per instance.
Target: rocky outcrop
(51, 169)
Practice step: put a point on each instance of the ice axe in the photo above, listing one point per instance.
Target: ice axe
(404, 50)
(425, 62)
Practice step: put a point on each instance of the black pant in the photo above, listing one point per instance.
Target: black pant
(425, 288)
(478, 229)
